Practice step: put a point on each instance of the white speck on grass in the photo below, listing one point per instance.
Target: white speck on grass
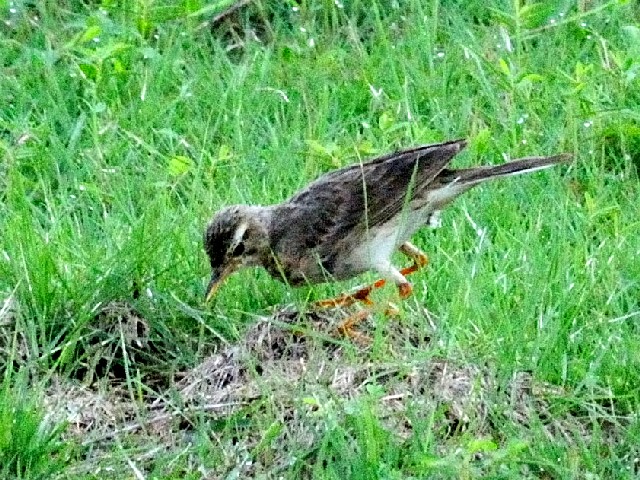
(377, 93)
(295, 9)
(281, 93)
(440, 54)
(96, 39)
(13, 10)
(588, 124)
(311, 42)
(6, 256)
(589, 37)
(552, 21)
(109, 170)
(583, 24)
(156, 36)
(506, 39)
(303, 30)
(366, 125)
(338, 4)
(520, 121)
(72, 196)
(82, 188)
(480, 232)
(524, 141)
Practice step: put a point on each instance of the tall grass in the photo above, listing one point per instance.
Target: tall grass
(124, 127)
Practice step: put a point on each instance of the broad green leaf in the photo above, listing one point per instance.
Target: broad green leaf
(179, 165)
(317, 148)
(386, 121)
(481, 445)
(90, 33)
(504, 67)
(535, 15)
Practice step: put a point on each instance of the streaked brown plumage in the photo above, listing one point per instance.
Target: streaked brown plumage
(350, 220)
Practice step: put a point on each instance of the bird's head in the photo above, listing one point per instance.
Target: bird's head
(236, 237)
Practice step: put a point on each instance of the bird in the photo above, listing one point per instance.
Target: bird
(351, 220)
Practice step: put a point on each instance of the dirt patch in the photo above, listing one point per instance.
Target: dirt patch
(87, 409)
(276, 357)
(292, 370)
(117, 345)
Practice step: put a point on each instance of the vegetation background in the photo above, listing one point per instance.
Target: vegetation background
(125, 124)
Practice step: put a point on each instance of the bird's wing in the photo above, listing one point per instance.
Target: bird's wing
(356, 198)
(394, 181)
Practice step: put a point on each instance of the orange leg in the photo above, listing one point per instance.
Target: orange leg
(347, 299)
(420, 260)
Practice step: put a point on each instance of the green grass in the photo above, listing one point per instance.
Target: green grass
(30, 447)
(124, 127)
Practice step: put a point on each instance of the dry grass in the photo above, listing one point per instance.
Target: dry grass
(304, 377)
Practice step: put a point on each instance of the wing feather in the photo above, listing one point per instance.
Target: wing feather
(313, 224)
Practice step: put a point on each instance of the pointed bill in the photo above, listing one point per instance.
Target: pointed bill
(212, 288)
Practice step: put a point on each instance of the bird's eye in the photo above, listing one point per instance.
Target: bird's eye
(238, 250)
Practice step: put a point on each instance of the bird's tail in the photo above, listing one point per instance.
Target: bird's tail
(473, 176)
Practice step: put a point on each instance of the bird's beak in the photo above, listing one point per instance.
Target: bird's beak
(212, 288)
(217, 277)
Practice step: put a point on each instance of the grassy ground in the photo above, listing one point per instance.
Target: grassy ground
(123, 128)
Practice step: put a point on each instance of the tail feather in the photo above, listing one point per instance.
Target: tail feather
(472, 176)
(453, 183)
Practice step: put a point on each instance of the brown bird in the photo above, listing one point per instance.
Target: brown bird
(350, 220)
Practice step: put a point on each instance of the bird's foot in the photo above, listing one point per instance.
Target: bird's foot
(405, 290)
(347, 327)
(347, 299)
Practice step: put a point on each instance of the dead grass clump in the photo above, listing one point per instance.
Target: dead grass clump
(305, 383)
(86, 410)
(118, 336)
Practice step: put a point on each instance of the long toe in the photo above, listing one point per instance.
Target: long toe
(405, 290)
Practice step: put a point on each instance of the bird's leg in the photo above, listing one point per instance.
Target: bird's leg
(420, 260)
(346, 299)
(388, 271)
